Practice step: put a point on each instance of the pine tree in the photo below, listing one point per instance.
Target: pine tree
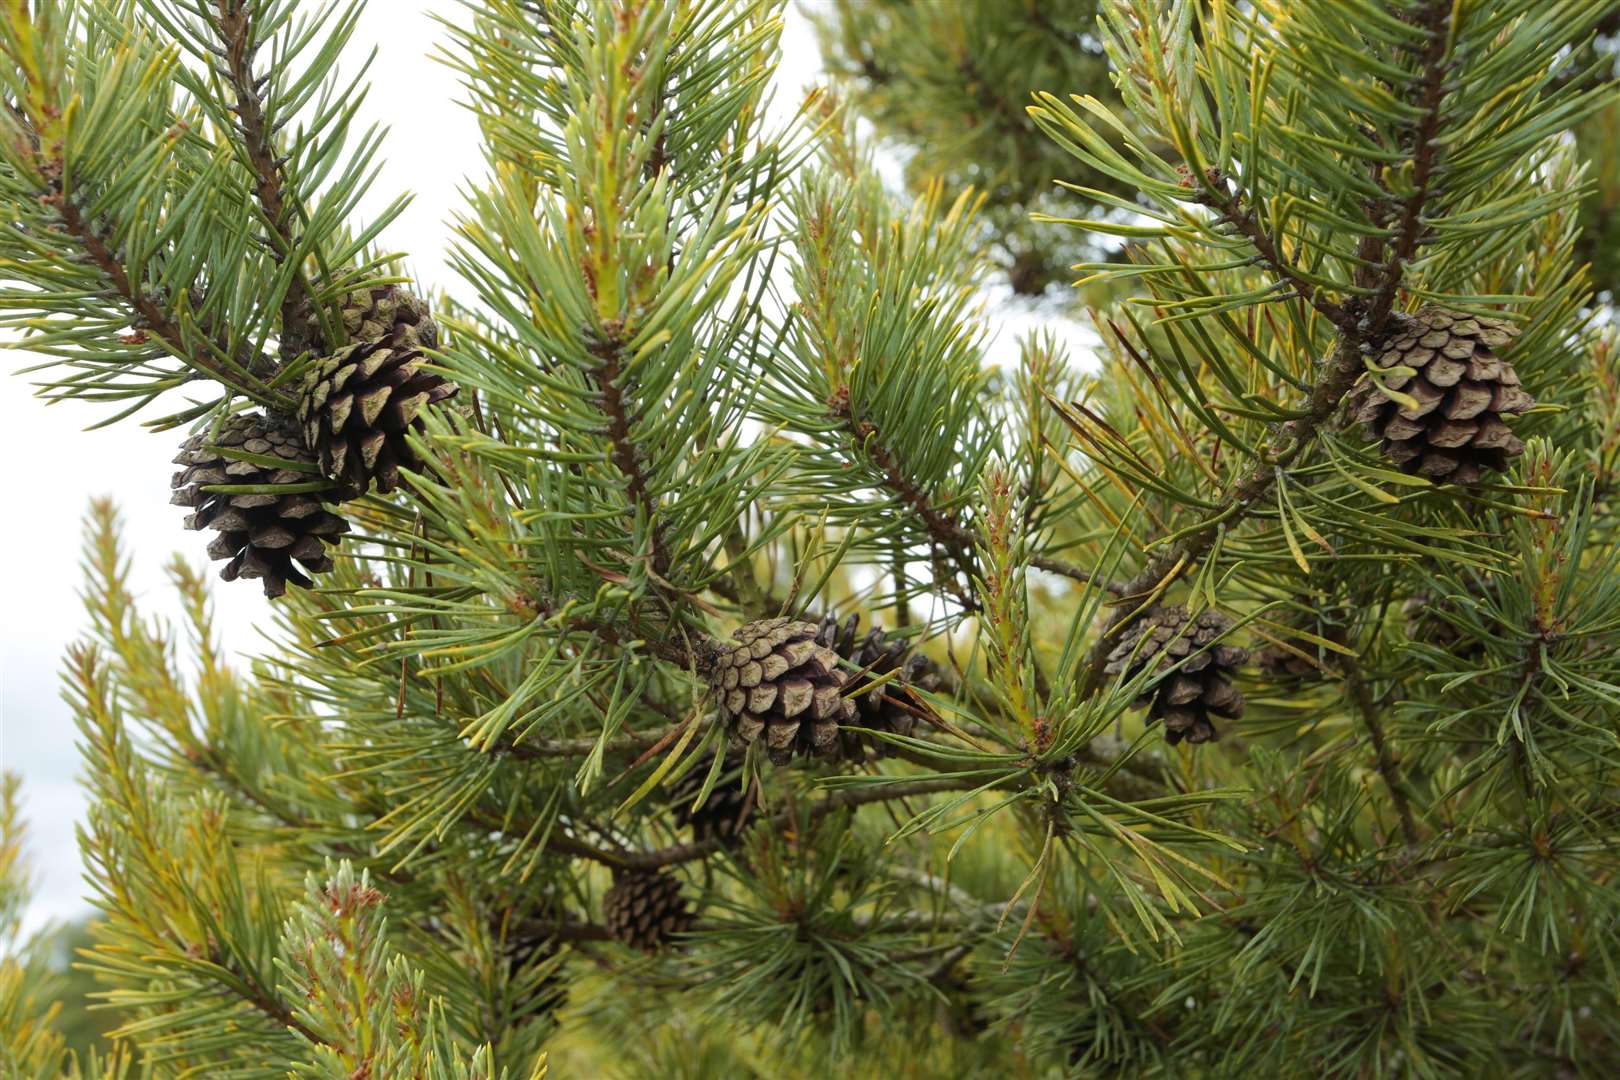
(946, 86)
(718, 390)
(1598, 139)
(950, 84)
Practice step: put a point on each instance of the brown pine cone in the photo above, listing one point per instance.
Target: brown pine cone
(263, 534)
(872, 657)
(358, 406)
(725, 813)
(1201, 687)
(1282, 666)
(359, 403)
(644, 908)
(1462, 389)
(1426, 622)
(774, 679)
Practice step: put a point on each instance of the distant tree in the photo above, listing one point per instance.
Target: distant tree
(83, 1026)
(950, 85)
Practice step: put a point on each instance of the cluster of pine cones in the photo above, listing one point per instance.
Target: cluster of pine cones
(265, 482)
(790, 682)
(798, 685)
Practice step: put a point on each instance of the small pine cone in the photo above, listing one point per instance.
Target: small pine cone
(389, 314)
(1462, 390)
(1201, 688)
(774, 679)
(534, 995)
(644, 908)
(359, 403)
(1426, 623)
(1297, 660)
(263, 534)
(872, 657)
(725, 813)
(1282, 666)
(962, 1014)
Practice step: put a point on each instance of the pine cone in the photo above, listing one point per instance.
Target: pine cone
(644, 908)
(1286, 667)
(725, 813)
(1282, 666)
(1426, 622)
(963, 1014)
(773, 678)
(389, 314)
(1462, 389)
(262, 534)
(872, 657)
(359, 403)
(534, 996)
(1200, 688)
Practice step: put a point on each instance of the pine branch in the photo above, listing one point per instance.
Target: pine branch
(1355, 681)
(261, 999)
(150, 316)
(947, 530)
(679, 853)
(570, 748)
(625, 454)
(1243, 217)
(300, 324)
(684, 649)
(948, 533)
(41, 139)
(1288, 439)
(1076, 573)
(1410, 230)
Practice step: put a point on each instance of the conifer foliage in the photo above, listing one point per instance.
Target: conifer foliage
(589, 529)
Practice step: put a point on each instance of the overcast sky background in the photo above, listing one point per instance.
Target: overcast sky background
(55, 468)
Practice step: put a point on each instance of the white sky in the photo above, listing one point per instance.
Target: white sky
(56, 468)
